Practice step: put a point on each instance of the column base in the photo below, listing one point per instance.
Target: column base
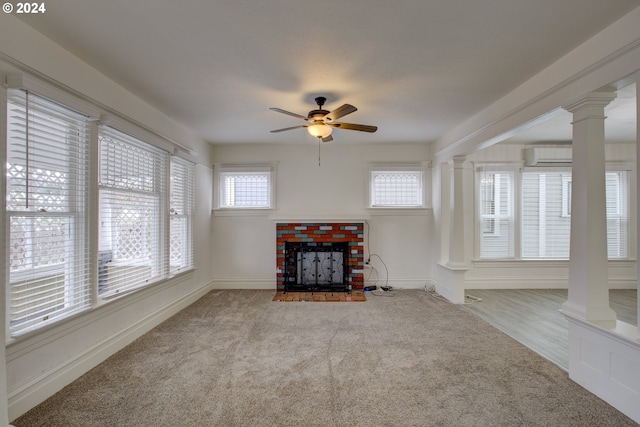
(452, 281)
(601, 316)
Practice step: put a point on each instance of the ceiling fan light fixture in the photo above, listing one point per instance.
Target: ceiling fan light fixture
(319, 130)
(321, 122)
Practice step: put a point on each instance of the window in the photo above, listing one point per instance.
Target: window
(244, 190)
(47, 167)
(245, 186)
(544, 203)
(566, 195)
(617, 187)
(132, 205)
(546, 214)
(91, 212)
(496, 214)
(396, 186)
(181, 202)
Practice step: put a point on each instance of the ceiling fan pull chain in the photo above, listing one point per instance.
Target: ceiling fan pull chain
(318, 151)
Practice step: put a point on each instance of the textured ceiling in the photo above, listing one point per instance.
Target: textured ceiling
(415, 68)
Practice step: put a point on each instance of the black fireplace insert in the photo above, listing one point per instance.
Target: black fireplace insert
(316, 266)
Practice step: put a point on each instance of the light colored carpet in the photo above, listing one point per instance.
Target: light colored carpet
(236, 358)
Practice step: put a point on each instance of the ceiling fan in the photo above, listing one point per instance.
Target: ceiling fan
(322, 122)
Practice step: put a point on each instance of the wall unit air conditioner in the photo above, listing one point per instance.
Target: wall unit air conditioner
(545, 156)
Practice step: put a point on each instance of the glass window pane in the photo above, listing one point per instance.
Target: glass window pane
(396, 189)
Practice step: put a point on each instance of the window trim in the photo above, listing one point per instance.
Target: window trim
(613, 166)
(425, 194)
(157, 194)
(188, 201)
(513, 216)
(76, 293)
(219, 169)
(87, 234)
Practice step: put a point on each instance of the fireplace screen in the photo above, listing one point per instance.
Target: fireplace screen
(320, 267)
(315, 267)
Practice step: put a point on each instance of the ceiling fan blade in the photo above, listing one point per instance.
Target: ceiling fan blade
(288, 113)
(327, 138)
(341, 111)
(352, 126)
(289, 128)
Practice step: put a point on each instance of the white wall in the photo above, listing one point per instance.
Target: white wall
(45, 361)
(243, 253)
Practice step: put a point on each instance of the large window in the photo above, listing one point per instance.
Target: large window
(132, 207)
(181, 204)
(47, 169)
(496, 194)
(617, 184)
(546, 214)
(91, 212)
(543, 204)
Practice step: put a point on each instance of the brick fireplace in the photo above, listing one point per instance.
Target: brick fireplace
(339, 245)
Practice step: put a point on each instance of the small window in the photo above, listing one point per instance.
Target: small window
(396, 188)
(245, 187)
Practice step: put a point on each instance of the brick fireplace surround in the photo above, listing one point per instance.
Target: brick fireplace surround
(350, 232)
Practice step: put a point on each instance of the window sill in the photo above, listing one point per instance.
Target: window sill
(399, 211)
(517, 263)
(539, 263)
(243, 212)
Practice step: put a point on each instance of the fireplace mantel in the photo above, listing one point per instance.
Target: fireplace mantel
(321, 218)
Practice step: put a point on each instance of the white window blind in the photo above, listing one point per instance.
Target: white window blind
(396, 188)
(617, 187)
(544, 200)
(496, 206)
(546, 220)
(132, 232)
(181, 205)
(47, 167)
(245, 189)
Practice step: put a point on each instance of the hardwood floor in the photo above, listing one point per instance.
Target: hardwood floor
(532, 317)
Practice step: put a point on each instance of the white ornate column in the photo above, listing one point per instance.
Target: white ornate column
(454, 268)
(604, 354)
(588, 266)
(456, 224)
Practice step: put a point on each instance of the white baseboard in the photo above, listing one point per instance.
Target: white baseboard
(399, 283)
(48, 382)
(269, 284)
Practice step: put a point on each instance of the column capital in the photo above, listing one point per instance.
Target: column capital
(457, 161)
(593, 99)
